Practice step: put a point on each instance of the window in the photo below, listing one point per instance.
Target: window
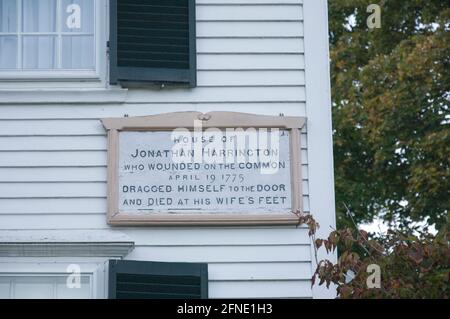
(48, 37)
(43, 287)
(47, 277)
(157, 280)
(152, 41)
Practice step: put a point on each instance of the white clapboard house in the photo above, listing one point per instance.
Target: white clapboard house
(75, 74)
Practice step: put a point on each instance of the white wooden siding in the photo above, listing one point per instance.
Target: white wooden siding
(53, 156)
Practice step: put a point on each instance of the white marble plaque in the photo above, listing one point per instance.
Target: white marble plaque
(165, 172)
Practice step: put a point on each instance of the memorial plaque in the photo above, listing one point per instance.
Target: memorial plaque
(150, 181)
(192, 168)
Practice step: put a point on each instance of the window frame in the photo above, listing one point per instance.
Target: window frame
(50, 275)
(96, 75)
(94, 268)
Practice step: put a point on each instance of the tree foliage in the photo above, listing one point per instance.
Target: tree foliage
(391, 92)
(409, 266)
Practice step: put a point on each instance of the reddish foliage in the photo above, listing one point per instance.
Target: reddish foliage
(410, 266)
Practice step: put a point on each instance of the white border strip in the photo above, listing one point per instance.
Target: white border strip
(320, 141)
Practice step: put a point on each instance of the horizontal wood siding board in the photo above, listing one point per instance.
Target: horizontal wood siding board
(51, 206)
(251, 45)
(224, 94)
(63, 206)
(245, 12)
(64, 159)
(51, 128)
(248, 61)
(240, 29)
(56, 190)
(222, 253)
(251, 94)
(53, 175)
(251, 78)
(260, 271)
(53, 143)
(92, 111)
(53, 159)
(42, 221)
(60, 175)
(65, 190)
(53, 221)
(63, 143)
(260, 289)
(180, 236)
(226, 236)
(123, 234)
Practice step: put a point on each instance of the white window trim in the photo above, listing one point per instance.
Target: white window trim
(94, 268)
(55, 250)
(66, 78)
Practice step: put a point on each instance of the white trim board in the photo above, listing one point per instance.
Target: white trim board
(320, 140)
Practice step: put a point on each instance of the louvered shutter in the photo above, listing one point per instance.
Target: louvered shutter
(156, 280)
(152, 41)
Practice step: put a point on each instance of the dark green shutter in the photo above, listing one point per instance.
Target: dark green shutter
(156, 280)
(152, 41)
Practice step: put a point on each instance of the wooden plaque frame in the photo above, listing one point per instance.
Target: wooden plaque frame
(220, 120)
